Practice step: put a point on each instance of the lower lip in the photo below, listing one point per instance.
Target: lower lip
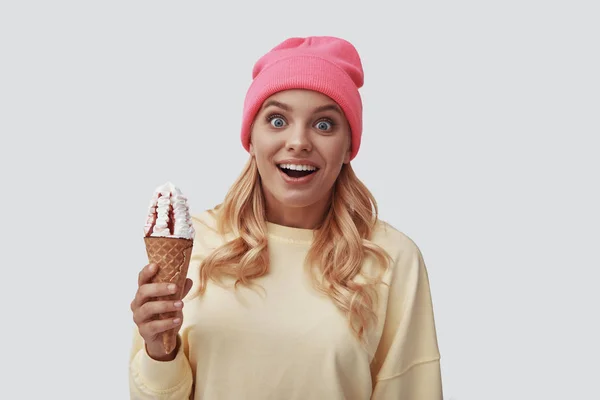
(297, 181)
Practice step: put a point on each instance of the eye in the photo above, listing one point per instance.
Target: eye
(325, 125)
(276, 121)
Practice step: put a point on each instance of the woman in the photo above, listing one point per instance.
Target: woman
(297, 290)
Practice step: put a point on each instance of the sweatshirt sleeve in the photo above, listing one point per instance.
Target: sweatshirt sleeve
(172, 380)
(406, 365)
(151, 379)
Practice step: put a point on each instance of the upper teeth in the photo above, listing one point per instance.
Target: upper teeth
(298, 167)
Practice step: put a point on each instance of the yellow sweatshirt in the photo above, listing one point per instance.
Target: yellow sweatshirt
(290, 342)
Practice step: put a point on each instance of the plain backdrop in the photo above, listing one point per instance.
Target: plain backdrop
(481, 128)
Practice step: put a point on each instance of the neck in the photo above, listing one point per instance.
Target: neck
(309, 217)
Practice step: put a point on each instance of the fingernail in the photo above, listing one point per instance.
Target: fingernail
(152, 267)
(176, 321)
(172, 287)
(178, 304)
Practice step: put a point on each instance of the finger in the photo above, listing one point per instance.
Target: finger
(149, 310)
(146, 274)
(152, 329)
(150, 290)
(187, 287)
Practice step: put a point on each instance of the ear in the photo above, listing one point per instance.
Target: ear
(251, 147)
(348, 153)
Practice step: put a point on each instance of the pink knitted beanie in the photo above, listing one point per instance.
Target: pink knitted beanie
(325, 64)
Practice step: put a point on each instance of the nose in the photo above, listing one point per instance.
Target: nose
(298, 139)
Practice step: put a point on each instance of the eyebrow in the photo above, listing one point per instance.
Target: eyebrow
(283, 106)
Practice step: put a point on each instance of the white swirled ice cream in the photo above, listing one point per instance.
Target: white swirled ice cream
(168, 214)
(169, 239)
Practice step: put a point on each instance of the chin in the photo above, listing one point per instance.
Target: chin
(297, 201)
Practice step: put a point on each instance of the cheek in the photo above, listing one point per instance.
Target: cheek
(263, 154)
(264, 145)
(337, 153)
(260, 162)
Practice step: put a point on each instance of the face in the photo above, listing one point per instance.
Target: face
(300, 140)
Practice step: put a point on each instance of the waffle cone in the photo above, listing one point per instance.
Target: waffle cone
(172, 256)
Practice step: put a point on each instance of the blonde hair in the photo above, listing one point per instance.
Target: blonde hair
(340, 247)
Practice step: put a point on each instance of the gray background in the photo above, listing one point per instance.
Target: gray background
(480, 143)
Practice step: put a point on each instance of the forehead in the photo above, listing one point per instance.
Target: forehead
(300, 98)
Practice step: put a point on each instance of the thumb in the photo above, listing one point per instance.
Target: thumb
(187, 286)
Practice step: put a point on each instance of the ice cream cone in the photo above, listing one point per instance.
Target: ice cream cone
(172, 256)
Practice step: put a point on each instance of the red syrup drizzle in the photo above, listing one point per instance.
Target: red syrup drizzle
(151, 229)
(171, 220)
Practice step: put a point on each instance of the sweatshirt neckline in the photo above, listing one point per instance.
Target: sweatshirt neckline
(290, 234)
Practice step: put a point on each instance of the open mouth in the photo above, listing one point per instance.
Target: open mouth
(297, 171)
